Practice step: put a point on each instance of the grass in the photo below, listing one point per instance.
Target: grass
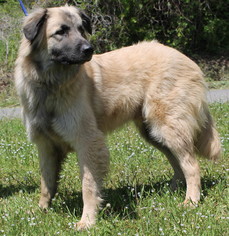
(138, 200)
(218, 84)
(8, 97)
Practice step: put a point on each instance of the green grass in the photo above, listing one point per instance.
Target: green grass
(8, 97)
(138, 200)
(218, 84)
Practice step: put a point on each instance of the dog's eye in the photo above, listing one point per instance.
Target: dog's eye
(64, 30)
(60, 32)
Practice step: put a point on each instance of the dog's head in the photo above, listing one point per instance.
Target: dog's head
(60, 34)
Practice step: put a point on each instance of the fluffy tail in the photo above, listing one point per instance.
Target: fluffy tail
(208, 142)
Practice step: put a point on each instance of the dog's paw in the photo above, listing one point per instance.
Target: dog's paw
(82, 225)
(189, 204)
(44, 203)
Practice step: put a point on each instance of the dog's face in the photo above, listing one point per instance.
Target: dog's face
(60, 33)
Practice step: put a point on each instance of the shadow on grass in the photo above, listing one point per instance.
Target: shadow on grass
(123, 201)
(208, 183)
(9, 190)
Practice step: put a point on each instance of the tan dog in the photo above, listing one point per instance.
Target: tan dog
(69, 103)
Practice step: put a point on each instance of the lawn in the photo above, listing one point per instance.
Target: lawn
(138, 200)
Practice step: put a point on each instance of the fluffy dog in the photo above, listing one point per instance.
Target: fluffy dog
(71, 99)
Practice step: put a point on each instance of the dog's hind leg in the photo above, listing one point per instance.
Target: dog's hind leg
(94, 161)
(50, 158)
(179, 151)
(178, 173)
(172, 129)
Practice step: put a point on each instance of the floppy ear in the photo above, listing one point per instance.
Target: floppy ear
(33, 23)
(86, 22)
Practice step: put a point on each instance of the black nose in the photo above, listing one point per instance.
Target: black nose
(87, 50)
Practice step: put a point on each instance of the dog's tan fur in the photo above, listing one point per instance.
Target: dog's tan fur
(71, 107)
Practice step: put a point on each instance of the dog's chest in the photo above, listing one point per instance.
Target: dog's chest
(41, 112)
(51, 116)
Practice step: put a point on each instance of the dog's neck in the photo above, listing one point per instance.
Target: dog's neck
(53, 74)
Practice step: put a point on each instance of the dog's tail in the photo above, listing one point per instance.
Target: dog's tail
(208, 142)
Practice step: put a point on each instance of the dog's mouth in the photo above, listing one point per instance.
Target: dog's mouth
(70, 62)
(68, 58)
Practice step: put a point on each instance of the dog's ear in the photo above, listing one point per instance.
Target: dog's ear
(33, 23)
(86, 22)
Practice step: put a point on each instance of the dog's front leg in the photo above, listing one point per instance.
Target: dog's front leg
(50, 157)
(94, 162)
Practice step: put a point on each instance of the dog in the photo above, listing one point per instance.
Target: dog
(71, 98)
